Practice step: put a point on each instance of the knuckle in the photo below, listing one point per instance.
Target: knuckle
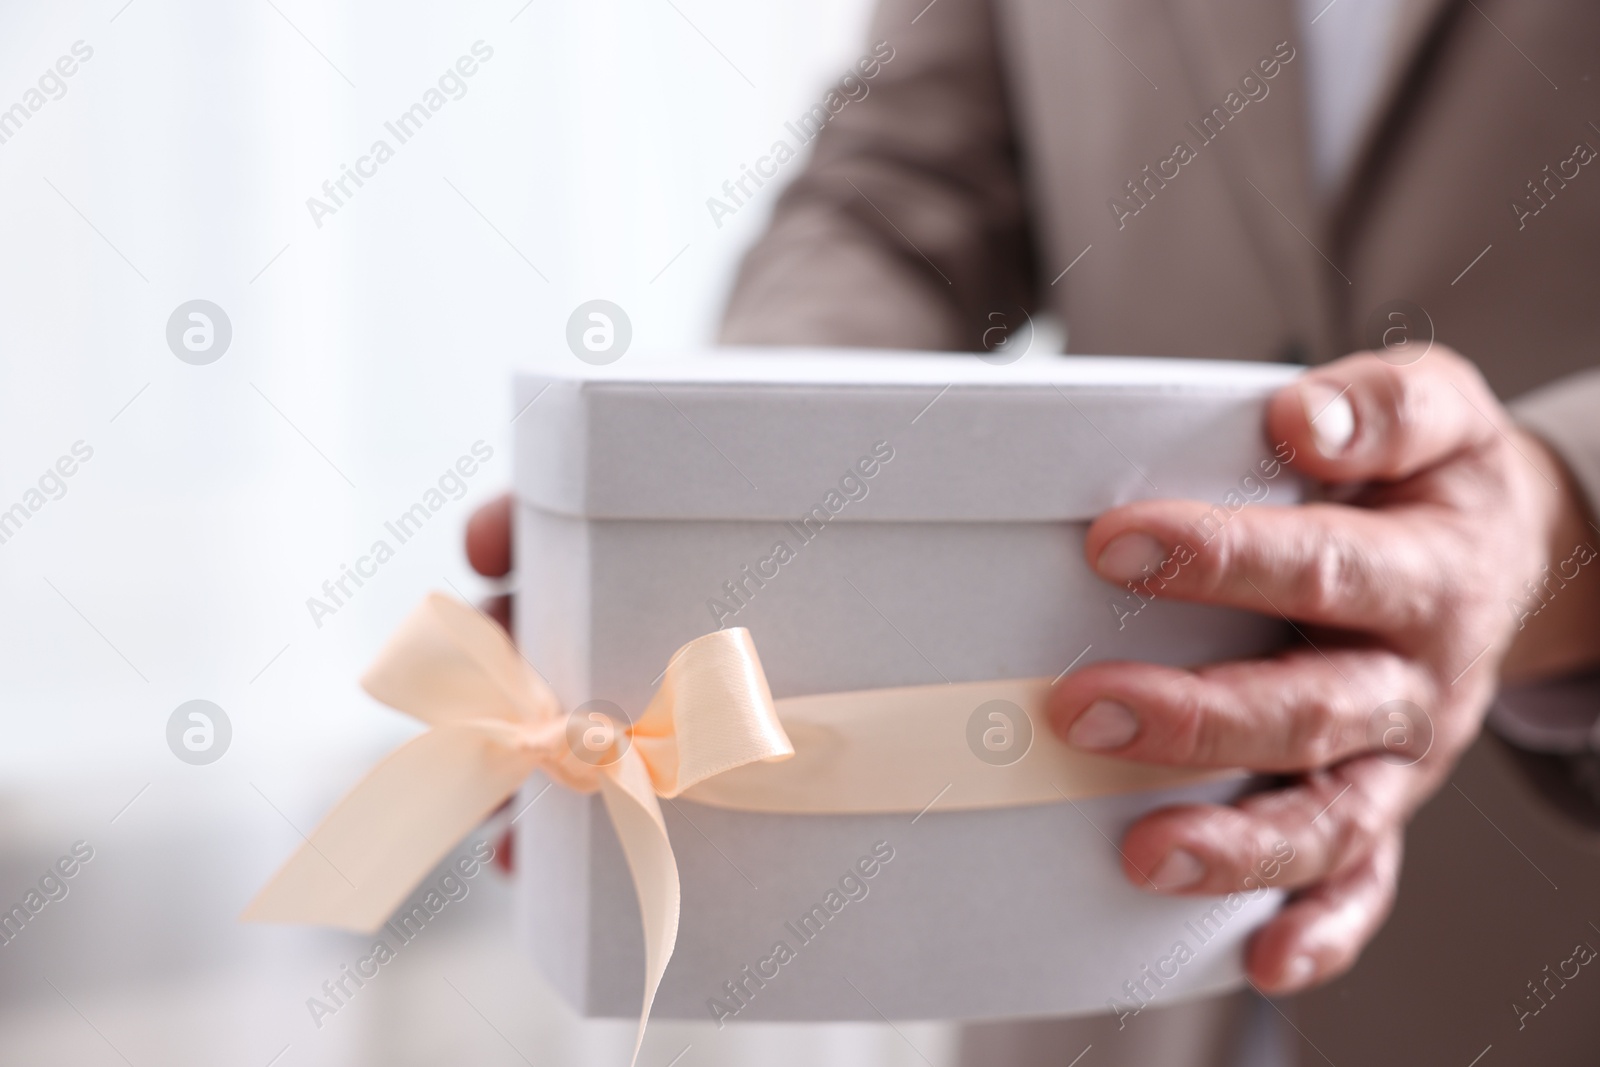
(1406, 410)
(1335, 571)
(1362, 823)
(1316, 733)
(1198, 736)
(1238, 554)
(1257, 860)
(1446, 604)
(1217, 549)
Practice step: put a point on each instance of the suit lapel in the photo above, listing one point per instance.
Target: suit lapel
(1263, 147)
(1266, 147)
(1415, 22)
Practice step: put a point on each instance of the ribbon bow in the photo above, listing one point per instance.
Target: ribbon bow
(494, 722)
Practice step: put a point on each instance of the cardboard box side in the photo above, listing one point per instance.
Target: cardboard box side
(978, 915)
(553, 869)
(872, 605)
(553, 616)
(553, 865)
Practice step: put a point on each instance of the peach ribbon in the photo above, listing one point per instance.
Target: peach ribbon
(712, 733)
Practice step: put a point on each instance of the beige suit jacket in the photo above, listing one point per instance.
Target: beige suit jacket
(1140, 169)
(1007, 142)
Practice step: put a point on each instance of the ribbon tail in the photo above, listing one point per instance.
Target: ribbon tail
(398, 822)
(636, 814)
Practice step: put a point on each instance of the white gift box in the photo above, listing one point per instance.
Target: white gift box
(875, 519)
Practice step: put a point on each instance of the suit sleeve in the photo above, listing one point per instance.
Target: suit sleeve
(907, 226)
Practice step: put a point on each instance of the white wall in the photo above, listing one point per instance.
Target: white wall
(372, 352)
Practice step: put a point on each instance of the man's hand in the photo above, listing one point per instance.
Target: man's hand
(489, 551)
(1399, 594)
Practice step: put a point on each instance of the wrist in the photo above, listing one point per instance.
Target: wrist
(1558, 615)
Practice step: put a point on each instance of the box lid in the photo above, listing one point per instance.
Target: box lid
(770, 433)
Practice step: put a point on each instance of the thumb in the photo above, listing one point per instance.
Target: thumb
(1362, 419)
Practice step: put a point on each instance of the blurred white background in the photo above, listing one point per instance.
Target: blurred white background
(367, 355)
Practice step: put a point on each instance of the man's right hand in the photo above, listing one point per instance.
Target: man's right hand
(489, 553)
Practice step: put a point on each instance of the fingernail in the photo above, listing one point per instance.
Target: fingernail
(1107, 724)
(1299, 974)
(1180, 869)
(1332, 419)
(1128, 555)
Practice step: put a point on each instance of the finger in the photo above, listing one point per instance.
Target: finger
(1325, 564)
(502, 854)
(1302, 710)
(1319, 828)
(499, 609)
(1319, 934)
(489, 538)
(1362, 419)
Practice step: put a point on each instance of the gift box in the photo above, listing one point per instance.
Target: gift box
(875, 520)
